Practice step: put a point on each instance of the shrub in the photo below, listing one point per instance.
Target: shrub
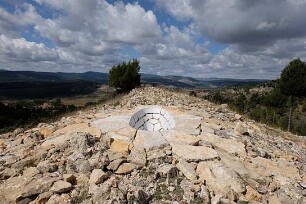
(125, 76)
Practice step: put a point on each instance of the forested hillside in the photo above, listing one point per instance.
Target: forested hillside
(280, 103)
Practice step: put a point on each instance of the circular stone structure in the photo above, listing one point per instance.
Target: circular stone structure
(152, 119)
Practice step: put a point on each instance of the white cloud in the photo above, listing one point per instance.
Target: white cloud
(24, 15)
(99, 21)
(92, 35)
(22, 50)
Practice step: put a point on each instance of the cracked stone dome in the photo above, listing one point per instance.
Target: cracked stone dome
(152, 119)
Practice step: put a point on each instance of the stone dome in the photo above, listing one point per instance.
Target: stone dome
(152, 119)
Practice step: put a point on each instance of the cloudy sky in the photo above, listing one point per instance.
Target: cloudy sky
(198, 38)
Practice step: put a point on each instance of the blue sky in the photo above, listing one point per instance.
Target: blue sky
(211, 38)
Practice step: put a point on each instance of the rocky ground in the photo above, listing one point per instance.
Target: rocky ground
(211, 156)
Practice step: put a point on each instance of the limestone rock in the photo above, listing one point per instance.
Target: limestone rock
(174, 136)
(150, 140)
(194, 153)
(62, 135)
(167, 170)
(18, 188)
(114, 165)
(97, 176)
(205, 195)
(46, 166)
(229, 145)
(126, 168)
(70, 178)
(155, 154)
(241, 129)
(138, 156)
(46, 130)
(127, 133)
(63, 199)
(120, 146)
(43, 198)
(112, 123)
(31, 172)
(61, 187)
(189, 124)
(114, 155)
(253, 195)
(220, 178)
(187, 170)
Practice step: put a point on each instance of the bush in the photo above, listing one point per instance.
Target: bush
(293, 79)
(125, 76)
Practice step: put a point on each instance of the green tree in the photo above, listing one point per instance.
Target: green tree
(125, 76)
(292, 83)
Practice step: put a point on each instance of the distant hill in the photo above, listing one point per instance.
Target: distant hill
(189, 82)
(177, 81)
(30, 76)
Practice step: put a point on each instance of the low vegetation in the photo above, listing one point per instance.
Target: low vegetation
(22, 111)
(280, 103)
(30, 112)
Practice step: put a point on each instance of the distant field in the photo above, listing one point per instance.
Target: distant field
(100, 95)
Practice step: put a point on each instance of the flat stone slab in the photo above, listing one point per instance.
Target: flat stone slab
(174, 136)
(219, 177)
(229, 145)
(126, 133)
(194, 153)
(112, 123)
(150, 140)
(62, 135)
(188, 124)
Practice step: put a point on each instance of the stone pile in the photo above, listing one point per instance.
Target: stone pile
(212, 155)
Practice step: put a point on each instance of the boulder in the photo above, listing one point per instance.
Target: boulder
(126, 168)
(61, 187)
(138, 156)
(19, 188)
(241, 129)
(187, 170)
(120, 146)
(97, 176)
(220, 178)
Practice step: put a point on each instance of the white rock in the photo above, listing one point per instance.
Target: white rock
(150, 140)
(187, 170)
(194, 153)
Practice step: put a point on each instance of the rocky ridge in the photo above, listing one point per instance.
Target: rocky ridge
(212, 155)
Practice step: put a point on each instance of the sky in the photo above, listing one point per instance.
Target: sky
(197, 38)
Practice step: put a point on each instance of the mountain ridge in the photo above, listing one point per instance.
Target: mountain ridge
(99, 77)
